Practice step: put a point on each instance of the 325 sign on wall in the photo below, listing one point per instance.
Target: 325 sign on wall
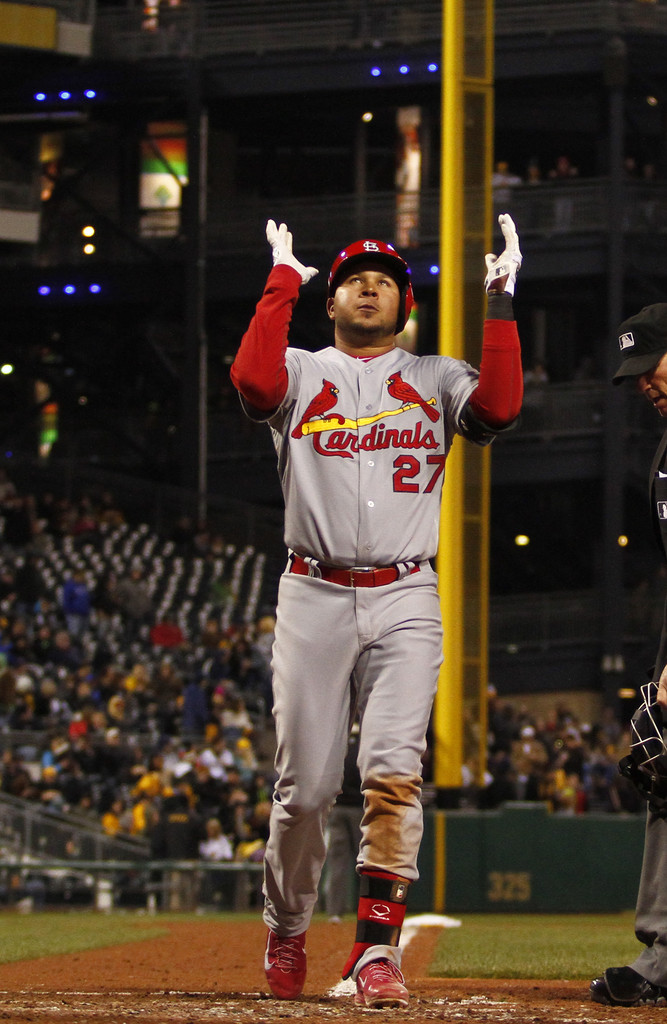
(508, 887)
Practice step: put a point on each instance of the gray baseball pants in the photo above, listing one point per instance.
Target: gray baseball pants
(333, 645)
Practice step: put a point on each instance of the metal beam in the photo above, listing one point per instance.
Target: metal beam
(463, 556)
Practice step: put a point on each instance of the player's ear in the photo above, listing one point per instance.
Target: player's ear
(330, 308)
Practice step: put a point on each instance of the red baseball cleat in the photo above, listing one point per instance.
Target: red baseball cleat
(285, 964)
(380, 983)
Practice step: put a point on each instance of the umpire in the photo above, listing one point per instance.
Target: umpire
(642, 341)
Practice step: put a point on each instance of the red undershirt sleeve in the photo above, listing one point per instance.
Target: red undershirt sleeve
(497, 398)
(258, 371)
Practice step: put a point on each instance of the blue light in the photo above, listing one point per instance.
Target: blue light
(90, 94)
(71, 289)
(432, 67)
(434, 269)
(376, 72)
(65, 95)
(404, 69)
(40, 96)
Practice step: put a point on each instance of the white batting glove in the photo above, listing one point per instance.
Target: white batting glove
(280, 240)
(502, 270)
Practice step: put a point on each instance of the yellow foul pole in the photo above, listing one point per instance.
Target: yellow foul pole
(465, 235)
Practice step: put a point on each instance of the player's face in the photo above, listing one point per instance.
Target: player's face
(653, 385)
(366, 302)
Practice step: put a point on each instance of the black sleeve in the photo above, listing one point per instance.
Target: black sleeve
(499, 306)
(473, 429)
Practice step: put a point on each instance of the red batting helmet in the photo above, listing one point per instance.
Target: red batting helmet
(379, 252)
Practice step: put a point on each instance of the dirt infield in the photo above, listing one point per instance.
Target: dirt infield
(212, 971)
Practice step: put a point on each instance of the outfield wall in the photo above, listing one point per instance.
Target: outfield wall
(523, 858)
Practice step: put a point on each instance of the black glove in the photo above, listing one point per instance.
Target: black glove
(651, 787)
(646, 764)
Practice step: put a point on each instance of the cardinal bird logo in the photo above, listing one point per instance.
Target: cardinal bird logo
(406, 394)
(321, 403)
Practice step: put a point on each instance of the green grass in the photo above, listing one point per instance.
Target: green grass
(26, 936)
(559, 946)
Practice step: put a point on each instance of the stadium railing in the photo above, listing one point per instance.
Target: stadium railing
(262, 26)
(150, 885)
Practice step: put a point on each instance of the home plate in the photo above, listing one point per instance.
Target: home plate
(411, 926)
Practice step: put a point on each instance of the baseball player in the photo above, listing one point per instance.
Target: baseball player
(642, 340)
(362, 430)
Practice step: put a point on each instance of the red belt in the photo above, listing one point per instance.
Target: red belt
(350, 577)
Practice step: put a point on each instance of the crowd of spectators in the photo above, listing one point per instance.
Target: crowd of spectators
(559, 759)
(117, 718)
(563, 168)
(559, 210)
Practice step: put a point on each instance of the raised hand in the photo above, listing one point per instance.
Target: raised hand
(501, 270)
(280, 240)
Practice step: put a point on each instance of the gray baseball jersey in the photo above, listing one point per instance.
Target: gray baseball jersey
(361, 450)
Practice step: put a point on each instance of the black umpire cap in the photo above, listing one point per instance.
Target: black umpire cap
(642, 340)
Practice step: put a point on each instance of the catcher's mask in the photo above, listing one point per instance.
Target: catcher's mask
(646, 764)
(380, 252)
